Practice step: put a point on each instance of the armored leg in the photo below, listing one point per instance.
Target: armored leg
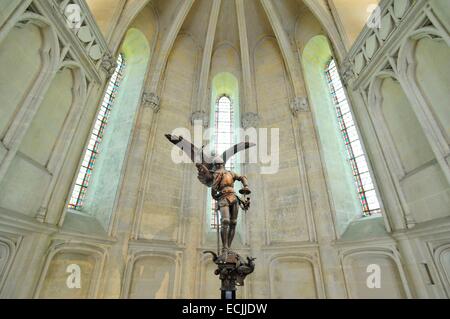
(234, 210)
(225, 225)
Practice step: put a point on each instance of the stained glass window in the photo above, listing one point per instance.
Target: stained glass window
(87, 166)
(355, 153)
(223, 140)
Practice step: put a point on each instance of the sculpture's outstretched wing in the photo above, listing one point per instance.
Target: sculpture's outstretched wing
(229, 153)
(202, 161)
(190, 149)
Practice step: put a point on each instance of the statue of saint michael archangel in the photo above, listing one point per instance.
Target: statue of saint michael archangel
(212, 173)
(232, 268)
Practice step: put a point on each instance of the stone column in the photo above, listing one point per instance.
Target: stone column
(412, 261)
(126, 221)
(321, 226)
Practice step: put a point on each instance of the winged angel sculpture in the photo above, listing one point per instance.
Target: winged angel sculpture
(212, 173)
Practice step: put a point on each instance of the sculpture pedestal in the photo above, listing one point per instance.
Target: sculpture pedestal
(232, 271)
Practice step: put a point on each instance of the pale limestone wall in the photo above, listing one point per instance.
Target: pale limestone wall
(152, 277)
(392, 284)
(432, 58)
(164, 191)
(6, 9)
(352, 15)
(425, 187)
(45, 95)
(106, 13)
(292, 277)
(48, 121)
(27, 42)
(285, 214)
(158, 229)
(22, 170)
(55, 280)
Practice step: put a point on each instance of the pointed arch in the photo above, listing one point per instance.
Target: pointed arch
(340, 176)
(104, 189)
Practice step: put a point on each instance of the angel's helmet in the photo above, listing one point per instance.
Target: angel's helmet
(218, 162)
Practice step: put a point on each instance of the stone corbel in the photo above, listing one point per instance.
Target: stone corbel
(200, 116)
(42, 214)
(249, 120)
(347, 72)
(299, 104)
(152, 101)
(410, 221)
(109, 64)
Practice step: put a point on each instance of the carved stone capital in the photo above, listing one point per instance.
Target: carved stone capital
(299, 104)
(250, 119)
(42, 214)
(200, 116)
(347, 72)
(410, 221)
(151, 100)
(109, 64)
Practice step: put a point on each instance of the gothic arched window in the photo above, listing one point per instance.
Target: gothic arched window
(224, 127)
(355, 153)
(87, 166)
(223, 139)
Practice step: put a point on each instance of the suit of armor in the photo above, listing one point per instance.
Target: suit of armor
(222, 191)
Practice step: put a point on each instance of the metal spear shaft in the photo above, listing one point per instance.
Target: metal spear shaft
(218, 230)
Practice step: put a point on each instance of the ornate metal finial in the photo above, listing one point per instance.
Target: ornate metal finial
(249, 120)
(299, 104)
(151, 100)
(232, 270)
(200, 116)
(109, 64)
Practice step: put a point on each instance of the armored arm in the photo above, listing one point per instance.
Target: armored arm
(243, 179)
